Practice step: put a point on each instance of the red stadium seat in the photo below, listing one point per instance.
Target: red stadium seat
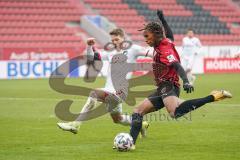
(39, 23)
(44, 20)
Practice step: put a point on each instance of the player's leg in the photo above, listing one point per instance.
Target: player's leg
(187, 63)
(190, 76)
(94, 96)
(117, 115)
(137, 117)
(124, 119)
(178, 108)
(189, 66)
(152, 103)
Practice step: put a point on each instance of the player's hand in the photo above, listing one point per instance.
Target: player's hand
(160, 14)
(90, 41)
(188, 87)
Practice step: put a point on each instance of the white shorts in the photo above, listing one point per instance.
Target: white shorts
(188, 62)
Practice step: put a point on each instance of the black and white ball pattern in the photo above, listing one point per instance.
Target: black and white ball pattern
(123, 141)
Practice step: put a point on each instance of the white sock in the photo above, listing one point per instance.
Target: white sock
(191, 78)
(126, 120)
(89, 105)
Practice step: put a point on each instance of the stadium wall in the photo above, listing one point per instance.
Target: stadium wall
(27, 63)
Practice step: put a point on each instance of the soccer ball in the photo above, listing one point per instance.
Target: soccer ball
(123, 142)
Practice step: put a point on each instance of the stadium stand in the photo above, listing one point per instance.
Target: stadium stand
(211, 20)
(237, 2)
(121, 14)
(40, 24)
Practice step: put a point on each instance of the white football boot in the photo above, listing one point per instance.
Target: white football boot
(70, 126)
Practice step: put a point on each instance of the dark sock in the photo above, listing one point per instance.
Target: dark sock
(190, 105)
(136, 126)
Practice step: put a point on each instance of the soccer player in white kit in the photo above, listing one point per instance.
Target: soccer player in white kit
(108, 94)
(191, 46)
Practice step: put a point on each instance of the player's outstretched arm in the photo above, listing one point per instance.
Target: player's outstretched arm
(169, 33)
(140, 51)
(92, 53)
(186, 85)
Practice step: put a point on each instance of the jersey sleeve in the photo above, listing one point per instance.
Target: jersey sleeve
(198, 44)
(94, 54)
(168, 54)
(184, 42)
(168, 31)
(138, 50)
(104, 55)
(141, 51)
(90, 53)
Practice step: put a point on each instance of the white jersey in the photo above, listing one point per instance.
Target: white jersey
(190, 46)
(132, 54)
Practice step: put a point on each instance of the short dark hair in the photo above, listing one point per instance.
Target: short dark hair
(155, 27)
(190, 29)
(117, 32)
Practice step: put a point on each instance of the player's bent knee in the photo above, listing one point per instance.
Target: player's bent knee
(143, 108)
(92, 94)
(139, 111)
(136, 110)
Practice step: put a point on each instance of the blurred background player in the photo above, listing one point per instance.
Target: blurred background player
(108, 93)
(191, 46)
(166, 55)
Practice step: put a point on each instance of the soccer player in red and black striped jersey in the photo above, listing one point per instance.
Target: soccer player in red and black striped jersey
(166, 55)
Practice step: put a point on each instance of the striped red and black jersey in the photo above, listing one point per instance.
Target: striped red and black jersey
(165, 55)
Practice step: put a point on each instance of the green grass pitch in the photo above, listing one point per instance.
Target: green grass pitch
(28, 128)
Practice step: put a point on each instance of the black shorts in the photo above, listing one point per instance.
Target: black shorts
(157, 97)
